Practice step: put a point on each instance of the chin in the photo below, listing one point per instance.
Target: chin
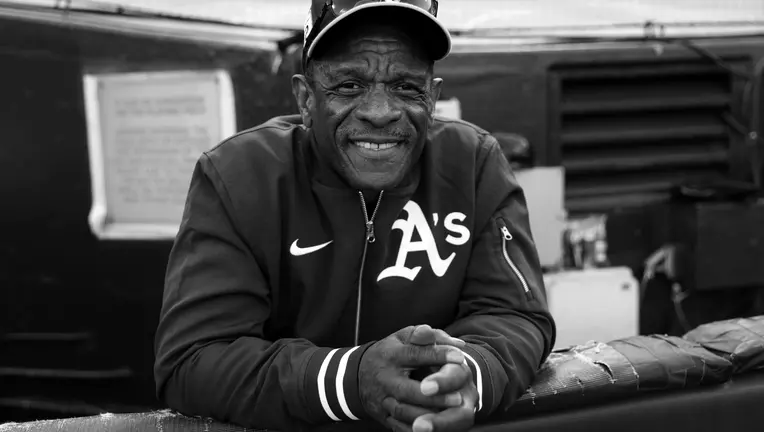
(375, 170)
(375, 181)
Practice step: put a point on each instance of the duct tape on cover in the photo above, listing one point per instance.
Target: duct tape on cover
(579, 376)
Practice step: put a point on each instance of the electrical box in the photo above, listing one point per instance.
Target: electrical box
(599, 304)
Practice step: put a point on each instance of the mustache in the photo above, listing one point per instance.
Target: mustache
(393, 132)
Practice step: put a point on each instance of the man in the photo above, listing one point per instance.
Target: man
(361, 262)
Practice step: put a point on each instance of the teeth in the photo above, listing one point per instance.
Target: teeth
(374, 146)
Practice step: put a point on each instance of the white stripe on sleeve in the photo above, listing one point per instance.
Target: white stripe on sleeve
(322, 385)
(478, 380)
(340, 385)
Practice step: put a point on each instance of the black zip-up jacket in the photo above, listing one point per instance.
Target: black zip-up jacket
(260, 325)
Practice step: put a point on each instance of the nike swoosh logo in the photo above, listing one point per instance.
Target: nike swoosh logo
(298, 251)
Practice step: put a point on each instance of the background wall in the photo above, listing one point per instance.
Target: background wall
(67, 301)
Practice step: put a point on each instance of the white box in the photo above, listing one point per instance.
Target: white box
(544, 189)
(597, 304)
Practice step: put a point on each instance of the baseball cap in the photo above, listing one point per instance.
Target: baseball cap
(415, 16)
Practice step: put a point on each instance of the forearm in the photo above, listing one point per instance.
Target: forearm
(250, 382)
(504, 353)
(503, 311)
(241, 382)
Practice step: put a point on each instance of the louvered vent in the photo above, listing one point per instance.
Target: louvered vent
(627, 133)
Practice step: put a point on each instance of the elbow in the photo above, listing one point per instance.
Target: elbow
(170, 392)
(175, 381)
(178, 388)
(167, 378)
(197, 384)
(541, 334)
(547, 331)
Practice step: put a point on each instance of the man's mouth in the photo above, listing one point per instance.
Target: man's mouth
(376, 146)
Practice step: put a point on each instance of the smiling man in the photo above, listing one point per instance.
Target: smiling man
(361, 263)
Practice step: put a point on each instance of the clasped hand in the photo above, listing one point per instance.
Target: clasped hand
(444, 400)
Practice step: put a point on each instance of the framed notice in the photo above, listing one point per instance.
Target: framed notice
(145, 133)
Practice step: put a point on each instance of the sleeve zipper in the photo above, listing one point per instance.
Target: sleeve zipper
(506, 238)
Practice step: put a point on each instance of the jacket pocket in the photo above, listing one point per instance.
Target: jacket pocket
(506, 247)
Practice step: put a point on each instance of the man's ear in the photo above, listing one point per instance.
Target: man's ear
(435, 93)
(303, 95)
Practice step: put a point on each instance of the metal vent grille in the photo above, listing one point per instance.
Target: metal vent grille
(627, 133)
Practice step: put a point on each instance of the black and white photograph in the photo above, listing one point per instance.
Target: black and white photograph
(381, 215)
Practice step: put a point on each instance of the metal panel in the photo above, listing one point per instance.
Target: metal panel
(628, 132)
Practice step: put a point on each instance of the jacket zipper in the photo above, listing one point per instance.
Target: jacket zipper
(506, 238)
(370, 238)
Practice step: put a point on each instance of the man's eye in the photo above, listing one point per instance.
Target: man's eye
(348, 87)
(408, 88)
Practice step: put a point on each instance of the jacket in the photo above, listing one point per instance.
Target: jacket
(261, 323)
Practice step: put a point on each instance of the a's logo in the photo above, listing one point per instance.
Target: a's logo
(299, 251)
(458, 235)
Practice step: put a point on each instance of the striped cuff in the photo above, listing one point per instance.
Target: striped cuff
(481, 377)
(332, 384)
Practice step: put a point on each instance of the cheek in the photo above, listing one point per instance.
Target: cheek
(421, 117)
(324, 122)
(336, 113)
(420, 107)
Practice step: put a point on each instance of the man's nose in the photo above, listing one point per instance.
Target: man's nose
(378, 109)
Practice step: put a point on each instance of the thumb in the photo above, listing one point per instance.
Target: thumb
(423, 335)
(423, 423)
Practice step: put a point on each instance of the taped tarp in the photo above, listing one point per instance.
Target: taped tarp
(740, 340)
(595, 372)
(578, 376)
(159, 421)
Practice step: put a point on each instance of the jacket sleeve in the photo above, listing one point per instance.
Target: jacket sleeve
(212, 358)
(503, 314)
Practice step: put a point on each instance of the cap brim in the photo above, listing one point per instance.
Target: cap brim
(437, 41)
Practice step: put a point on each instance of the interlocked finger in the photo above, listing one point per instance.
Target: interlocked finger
(453, 419)
(403, 412)
(409, 391)
(425, 335)
(459, 418)
(414, 356)
(397, 425)
(450, 378)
